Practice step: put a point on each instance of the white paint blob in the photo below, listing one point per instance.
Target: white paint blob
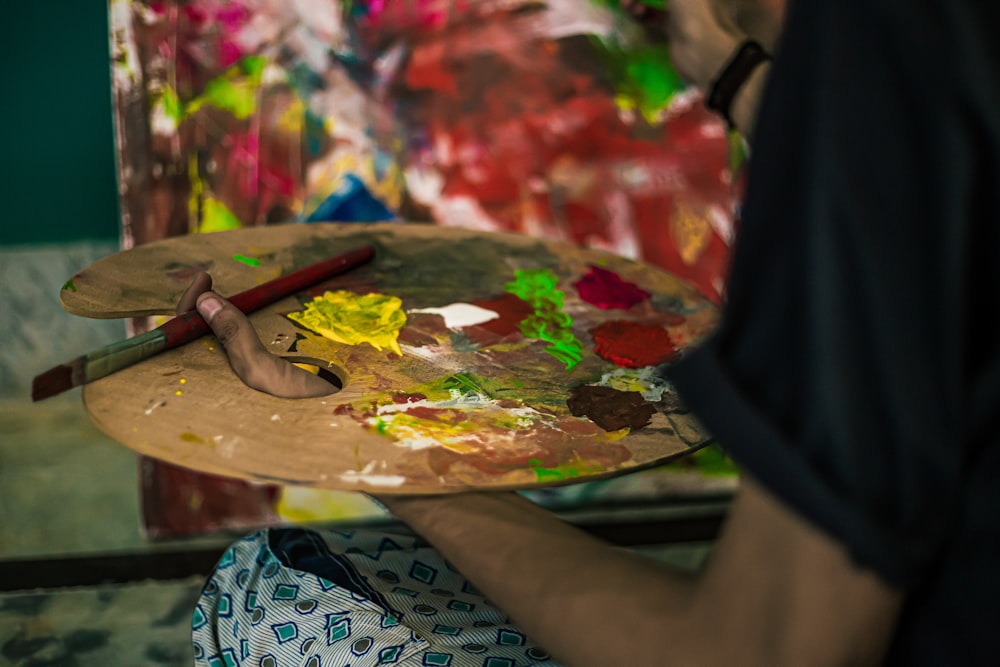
(365, 475)
(458, 315)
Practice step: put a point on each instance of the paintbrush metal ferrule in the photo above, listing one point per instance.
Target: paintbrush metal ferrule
(122, 354)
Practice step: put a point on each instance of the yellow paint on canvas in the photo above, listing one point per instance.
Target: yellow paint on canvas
(353, 319)
(691, 231)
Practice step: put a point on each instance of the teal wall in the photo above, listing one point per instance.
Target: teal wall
(57, 172)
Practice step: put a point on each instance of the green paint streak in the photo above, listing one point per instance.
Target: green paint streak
(70, 285)
(468, 383)
(439, 389)
(562, 472)
(249, 261)
(548, 323)
(216, 217)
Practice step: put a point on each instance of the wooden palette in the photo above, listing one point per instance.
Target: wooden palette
(468, 407)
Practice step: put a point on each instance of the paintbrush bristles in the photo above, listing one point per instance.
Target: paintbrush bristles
(56, 380)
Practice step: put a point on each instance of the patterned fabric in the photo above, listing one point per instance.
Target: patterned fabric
(348, 599)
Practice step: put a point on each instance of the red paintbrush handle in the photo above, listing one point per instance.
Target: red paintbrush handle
(191, 326)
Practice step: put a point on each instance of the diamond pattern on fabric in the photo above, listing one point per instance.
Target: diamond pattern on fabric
(285, 592)
(337, 628)
(284, 620)
(389, 655)
(285, 632)
(508, 637)
(437, 659)
(498, 662)
(198, 618)
(423, 573)
(225, 608)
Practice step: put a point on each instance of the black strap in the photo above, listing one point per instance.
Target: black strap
(744, 61)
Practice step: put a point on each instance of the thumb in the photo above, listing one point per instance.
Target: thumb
(251, 361)
(237, 336)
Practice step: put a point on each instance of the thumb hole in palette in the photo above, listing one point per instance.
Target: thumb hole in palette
(333, 374)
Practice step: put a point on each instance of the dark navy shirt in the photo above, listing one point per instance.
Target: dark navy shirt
(856, 371)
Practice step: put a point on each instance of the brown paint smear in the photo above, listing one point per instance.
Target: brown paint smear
(609, 408)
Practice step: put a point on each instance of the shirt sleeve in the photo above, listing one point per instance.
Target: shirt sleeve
(837, 375)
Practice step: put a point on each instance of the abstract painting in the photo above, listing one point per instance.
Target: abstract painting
(560, 120)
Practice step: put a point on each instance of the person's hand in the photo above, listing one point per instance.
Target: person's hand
(257, 367)
(701, 33)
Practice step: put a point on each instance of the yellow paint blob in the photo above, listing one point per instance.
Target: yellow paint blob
(183, 381)
(353, 319)
(193, 437)
(178, 393)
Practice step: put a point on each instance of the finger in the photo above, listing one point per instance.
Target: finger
(202, 282)
(248, 357)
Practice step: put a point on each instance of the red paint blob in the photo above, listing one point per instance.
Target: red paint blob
(632, 345)
(606, 290)
(503, 329)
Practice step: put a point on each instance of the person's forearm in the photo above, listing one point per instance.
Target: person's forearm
(584, 601)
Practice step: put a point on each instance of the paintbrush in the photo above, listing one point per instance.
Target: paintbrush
(186, 327)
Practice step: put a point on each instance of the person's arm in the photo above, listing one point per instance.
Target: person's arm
(775, 592)
(703, 37)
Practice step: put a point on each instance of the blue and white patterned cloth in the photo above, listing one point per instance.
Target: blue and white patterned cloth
(291, 597)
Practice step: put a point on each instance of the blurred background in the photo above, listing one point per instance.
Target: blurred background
(116, 131)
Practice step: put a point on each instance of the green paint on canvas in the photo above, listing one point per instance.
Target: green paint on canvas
(234, 91)
(172, 106)
(70, 285)
(642, 74)
(216, 217)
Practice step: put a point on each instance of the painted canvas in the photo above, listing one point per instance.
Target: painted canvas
(560, 120)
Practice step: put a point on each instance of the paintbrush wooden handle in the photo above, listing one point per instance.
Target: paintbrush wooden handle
(191, 326)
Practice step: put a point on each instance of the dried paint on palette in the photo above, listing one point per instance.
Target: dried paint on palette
(647, 381)
(469, 420)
